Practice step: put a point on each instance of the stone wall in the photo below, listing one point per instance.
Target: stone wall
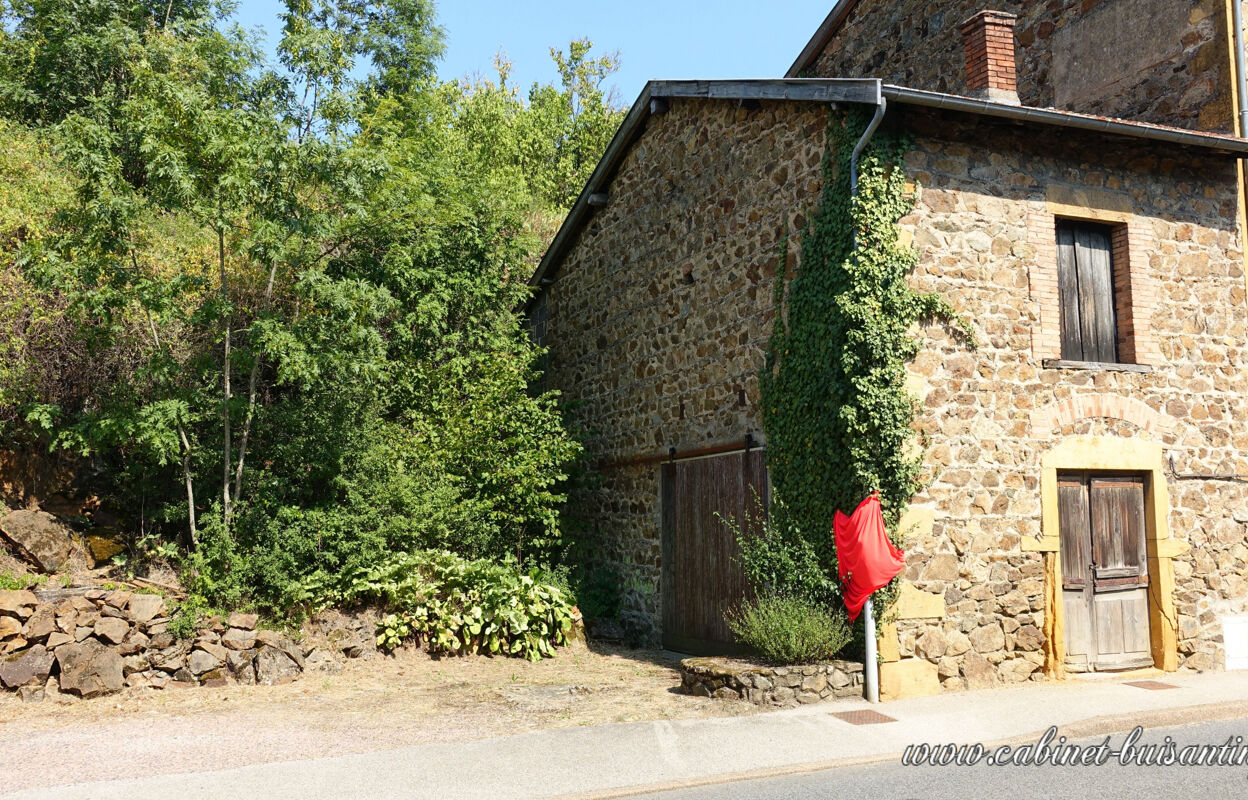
(990, 415)
(731, 679)
(660, 314)
(663, 307)
(1093, 56)
(82, 643)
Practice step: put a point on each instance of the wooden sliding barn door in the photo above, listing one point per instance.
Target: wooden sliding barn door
(1104, 571)
(702, 577)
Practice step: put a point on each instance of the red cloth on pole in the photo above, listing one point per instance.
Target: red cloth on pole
(866, 559)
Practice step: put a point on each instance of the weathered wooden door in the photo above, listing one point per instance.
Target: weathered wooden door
(1104, 571)
(702, 577)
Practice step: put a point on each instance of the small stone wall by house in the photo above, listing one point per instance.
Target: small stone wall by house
(732, 679)
(92, 642)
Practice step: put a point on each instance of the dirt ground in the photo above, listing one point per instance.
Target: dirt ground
(386, 702)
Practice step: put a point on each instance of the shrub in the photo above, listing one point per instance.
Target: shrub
(789, 630)
(456, 606)
(779, 562)
(20, 580)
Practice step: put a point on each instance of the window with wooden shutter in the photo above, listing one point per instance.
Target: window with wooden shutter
(1085, 281)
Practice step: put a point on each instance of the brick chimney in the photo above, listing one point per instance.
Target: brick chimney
(990, 71)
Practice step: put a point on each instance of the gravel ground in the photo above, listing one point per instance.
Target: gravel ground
(380, 704)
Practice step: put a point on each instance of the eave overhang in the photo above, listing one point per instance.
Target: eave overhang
(844, 90)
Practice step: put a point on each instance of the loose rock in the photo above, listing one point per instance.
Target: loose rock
(144, 607)
(239, 639)
(111, 630)
(38, 537)
(201, 661)
(41, 624)
(55, 640)
(90, 669)
(274, 666)
(29, 666)
(17, 603)
(9, 627)
(246, 622)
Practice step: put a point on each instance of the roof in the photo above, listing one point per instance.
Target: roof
(823, 34)
(846, 90)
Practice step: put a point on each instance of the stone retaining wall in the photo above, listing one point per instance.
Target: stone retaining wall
(92, 642)
(731, 679)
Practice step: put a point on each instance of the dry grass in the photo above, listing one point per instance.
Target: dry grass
(378, 704)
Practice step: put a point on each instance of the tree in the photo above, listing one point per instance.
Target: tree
(309, 275)
(554, 139)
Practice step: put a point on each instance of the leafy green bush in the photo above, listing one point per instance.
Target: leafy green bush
(789, 630)
(186, 616)
(456, 606)
(780, 563)
(286, 335)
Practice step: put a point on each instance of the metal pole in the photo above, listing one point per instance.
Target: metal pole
(870, 670)
(870, 666)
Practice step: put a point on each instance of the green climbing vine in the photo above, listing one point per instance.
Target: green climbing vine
(837, 413)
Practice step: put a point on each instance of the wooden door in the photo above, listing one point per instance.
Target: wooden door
(702, 576)
(1104, 571)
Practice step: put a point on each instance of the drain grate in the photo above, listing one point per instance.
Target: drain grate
(863, 717)
(1150, 685)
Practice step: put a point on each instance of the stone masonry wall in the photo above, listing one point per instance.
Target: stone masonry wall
(660, 314)
(88, 642)
(663, 308)
(732, 679)
(91, 642)
(989, 415)
(1093, 56)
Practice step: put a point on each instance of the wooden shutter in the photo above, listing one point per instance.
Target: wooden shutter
(1068, 292)
(1085, 279)
(1072, 509)
(1117, 524)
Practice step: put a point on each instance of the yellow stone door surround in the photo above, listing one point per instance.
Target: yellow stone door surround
(1119, 455)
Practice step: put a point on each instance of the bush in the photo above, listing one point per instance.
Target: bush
(779, 561)
(457, 606)
(788, 630)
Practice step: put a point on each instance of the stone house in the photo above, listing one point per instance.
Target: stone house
(1087, 462)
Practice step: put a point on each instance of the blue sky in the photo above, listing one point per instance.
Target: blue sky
(657, 40)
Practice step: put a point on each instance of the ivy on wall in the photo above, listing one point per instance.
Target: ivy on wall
(837, 413)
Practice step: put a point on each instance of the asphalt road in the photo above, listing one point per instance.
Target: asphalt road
(1109, 781)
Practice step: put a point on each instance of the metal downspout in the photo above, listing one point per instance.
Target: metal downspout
(880, 107)
(1237, 17)
(871, 666)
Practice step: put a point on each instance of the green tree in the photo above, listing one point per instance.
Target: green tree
(61, 56)
(305, 277)
(555, 136)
